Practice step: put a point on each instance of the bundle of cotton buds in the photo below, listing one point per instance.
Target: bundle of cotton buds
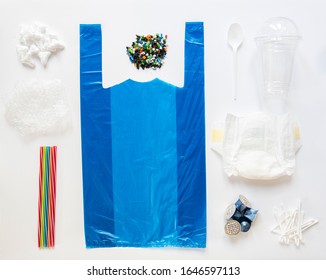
(290, 224)
(37, 41)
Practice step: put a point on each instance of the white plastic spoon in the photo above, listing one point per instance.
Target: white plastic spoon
(235, 39)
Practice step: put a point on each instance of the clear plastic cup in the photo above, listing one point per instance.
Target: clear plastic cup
(277, 41)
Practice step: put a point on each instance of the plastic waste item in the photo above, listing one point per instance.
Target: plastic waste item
(250, 214)
(47, 197)
(36, 41)
(245, 226)
(277, 41)
(143, 151)
(148, 51)
(38, 107)
(239, 216)
(235, 39)
(232, 227)
(258, 146)
(291, 224)
(229, 212)
(242, 202)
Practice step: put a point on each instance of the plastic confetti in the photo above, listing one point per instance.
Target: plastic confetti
(148, 51)
(47, 197)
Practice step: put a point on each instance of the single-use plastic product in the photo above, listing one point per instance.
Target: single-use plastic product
(38, 107)
(143, 152)
(239, 216)
(277, 41)
(235, 40)
(36, 41)
(291, 224)
(260, 146)
(47, 197)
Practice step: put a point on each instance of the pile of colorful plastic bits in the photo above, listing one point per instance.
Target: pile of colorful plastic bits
(148, 51)
(239, 216)
(291, 224)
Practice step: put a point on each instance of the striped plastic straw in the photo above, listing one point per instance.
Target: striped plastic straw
(47, 196)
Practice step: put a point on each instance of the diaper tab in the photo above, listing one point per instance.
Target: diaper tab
(217, 137)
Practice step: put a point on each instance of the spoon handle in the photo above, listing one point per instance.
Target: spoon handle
(235, 75)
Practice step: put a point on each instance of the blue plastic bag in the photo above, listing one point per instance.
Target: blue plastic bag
(143, 152)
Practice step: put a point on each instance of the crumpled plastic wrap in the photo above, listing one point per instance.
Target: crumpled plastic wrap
(38, 107)
(37, 42)
(143, 152)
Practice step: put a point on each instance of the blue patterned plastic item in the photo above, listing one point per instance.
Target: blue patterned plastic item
(241, 207)
(240, 212)
(250, 214)
(143, 152)
(237, 215)
(245, 226)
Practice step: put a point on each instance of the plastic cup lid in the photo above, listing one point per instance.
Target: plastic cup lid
(277, 28)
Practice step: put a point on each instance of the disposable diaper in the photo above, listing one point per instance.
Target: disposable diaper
(257, 146)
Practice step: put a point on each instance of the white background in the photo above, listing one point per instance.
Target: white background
(121, 20)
